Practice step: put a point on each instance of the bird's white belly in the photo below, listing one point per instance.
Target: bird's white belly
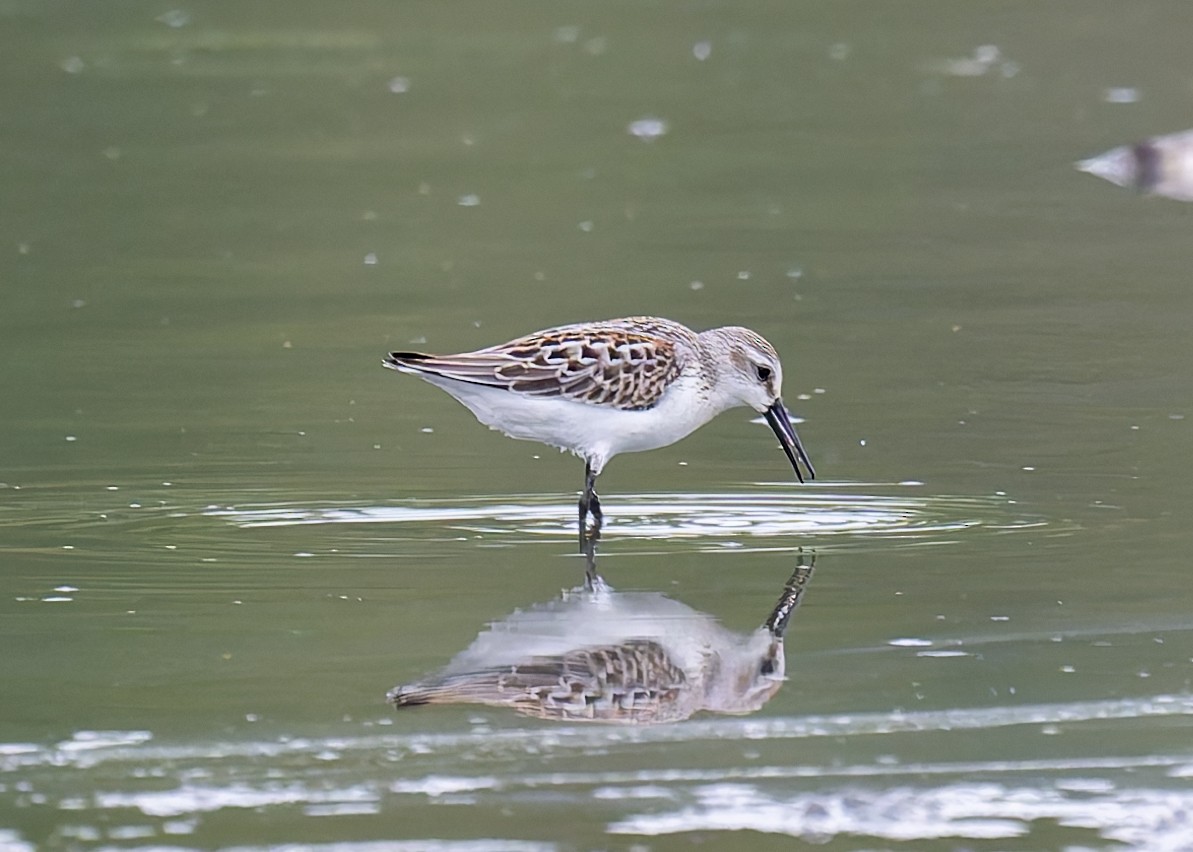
(594, 432)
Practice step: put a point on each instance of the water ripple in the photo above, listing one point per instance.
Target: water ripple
(718, 517)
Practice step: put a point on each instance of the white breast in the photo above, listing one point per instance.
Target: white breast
(594, 432)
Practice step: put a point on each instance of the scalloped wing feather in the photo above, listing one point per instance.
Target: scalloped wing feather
(632, 682)
(624, 364)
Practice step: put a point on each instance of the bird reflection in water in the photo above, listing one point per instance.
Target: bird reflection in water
(595, 654)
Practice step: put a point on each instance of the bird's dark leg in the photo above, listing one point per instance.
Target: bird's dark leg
(598, 519)
(585, 501)
(591, 578)
(590, 504)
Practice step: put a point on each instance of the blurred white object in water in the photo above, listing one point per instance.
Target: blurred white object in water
(648, 128)
(174, 19)
(985, 58)
(1161, 165)
(566, 34)
(1121, 95)
(596, 655)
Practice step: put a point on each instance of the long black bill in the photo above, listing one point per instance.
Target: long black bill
(780, 422)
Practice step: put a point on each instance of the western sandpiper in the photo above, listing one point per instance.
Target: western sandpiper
(598, 655)
(603, 388)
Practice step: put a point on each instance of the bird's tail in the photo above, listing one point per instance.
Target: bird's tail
(408, 361)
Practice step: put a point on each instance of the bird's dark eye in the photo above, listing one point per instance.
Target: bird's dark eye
(764, 373)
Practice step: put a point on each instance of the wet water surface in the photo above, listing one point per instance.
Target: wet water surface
(226, 532)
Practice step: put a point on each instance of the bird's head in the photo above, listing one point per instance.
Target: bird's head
(752, 375)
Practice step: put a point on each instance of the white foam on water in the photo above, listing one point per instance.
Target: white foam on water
(1122, 799)
(439, 785)
(10, 841)
(1156, 820)
(190, 798)
(489, 844)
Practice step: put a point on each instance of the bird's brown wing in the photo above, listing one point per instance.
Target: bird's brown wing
(632, 682)
(624, 364)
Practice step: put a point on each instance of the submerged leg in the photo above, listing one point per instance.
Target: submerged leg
(591, 578)
(590, 504)
(584, 504)
(598, 519)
